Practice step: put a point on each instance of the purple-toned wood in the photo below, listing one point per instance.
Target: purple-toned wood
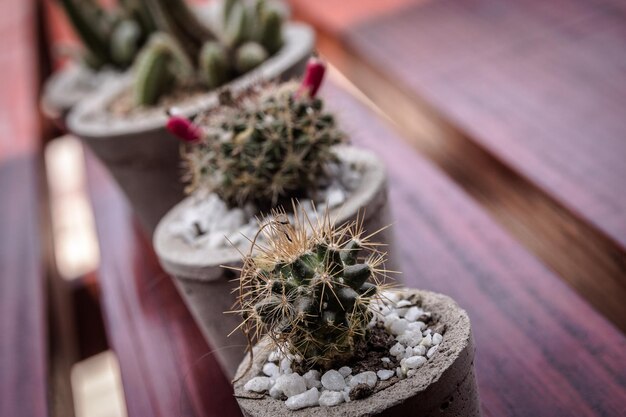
(540, 84)
(167, 367)
(541, 350)
(23, 333)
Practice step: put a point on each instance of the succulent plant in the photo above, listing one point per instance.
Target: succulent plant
(110, 38)
(251, 32)
(309, 286)
(262, 146)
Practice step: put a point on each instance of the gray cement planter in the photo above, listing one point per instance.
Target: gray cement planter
(203, 283)
(445, 386)
(142, 156)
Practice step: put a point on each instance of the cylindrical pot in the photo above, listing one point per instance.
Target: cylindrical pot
(203, 283)
(142, 156)
(444, 386)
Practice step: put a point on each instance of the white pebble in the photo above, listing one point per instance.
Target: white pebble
(312, 379)
(331, 398)
(417, 325)
(413, 313)
(427, 341)
(275, 356)
(346, 396)
(399, 372)
(408, 352)
(437, 338)
(285, 366)
(431, 351)
(385, 374)
(385, 360)
(257, 384)
(419, 350)
(333, 381)
(271, 369)
(345, 371)
(414, 362)
(398, 326)
(306, 399)
(427, 332)
(390, 319)
(290, 384)
(367, 377)
(397, 349)
(410, 338)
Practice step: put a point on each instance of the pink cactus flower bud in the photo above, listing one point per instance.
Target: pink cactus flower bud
(313, 77)
(184, 129)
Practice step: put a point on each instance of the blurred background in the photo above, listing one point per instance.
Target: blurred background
(504, 127)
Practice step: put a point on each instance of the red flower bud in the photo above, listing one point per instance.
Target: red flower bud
(313, 77)
(184, 129)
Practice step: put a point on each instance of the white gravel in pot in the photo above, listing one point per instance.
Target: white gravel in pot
(415, 345)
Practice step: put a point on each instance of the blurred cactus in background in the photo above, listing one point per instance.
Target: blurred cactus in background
(250, 32)
(263, 146)
(308, 287)
(110, 38)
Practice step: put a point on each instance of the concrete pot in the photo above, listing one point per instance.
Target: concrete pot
(142, 156)
(445, 386)
(204, 284)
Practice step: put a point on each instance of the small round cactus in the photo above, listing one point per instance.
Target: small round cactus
(263, 146)
(308, 286)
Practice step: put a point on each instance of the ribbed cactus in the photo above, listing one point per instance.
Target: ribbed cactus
(308, 286)
(110, 38)
(251, 31)
(263, 146)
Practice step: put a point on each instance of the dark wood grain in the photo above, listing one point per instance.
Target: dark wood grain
(541, 349)
(23, 340)
(540, 84)
(403, 63)
(167, 367)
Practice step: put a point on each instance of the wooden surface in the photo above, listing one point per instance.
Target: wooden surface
(520, 103)
(541, 350)
(23, 340)
(167, 368)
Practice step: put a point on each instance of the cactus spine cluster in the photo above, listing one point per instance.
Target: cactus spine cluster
(251, 32)
(263, 146)
(110, 38)
(309, 287)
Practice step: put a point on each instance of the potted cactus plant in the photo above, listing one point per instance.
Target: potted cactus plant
(111, 40)
(327, 333)
(264, 146)
(181, 66)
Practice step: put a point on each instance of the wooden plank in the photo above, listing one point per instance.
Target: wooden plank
(167, 367)
(541, 349)
(539, 84)
(24, 342)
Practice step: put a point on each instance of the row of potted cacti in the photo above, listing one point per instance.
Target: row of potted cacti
(319, 325)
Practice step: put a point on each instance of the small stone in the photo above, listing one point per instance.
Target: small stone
(361, 391)
(390, 319)
(385, 360)
(416, 326)
(274, 356)
(398, 326)
(413, 313)
(385, 374)
(345, 371)
(290, 384)
(257, 384)
(308, 398)
(427, 332)
(431, 351)
(399, 373)
(408, 352)
(414, 362)
(285, 366)
(419, 350)
(346, 396)
(271, 369)
(333, 381)
(410, 338)
(277, 393)
(427, 341)
(397, 349)
(331, 398)
(437, 338)
(368, 377)
(312, 379)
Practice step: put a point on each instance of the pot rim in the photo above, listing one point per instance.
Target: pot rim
(299, 43)
(186, 262)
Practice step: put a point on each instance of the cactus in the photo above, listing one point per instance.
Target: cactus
(252, 31)
(110, 38)
(263, 146)
(308, 287)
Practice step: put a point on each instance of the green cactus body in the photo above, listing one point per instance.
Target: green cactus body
(248, 56)
(270, 30)
(263, 147)
(214, 67)
(86, 18)
(309, 289)
(125, 40)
